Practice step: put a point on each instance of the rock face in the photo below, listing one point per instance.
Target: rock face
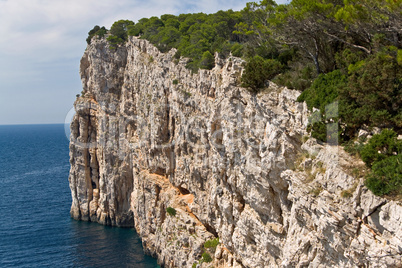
(149, 135)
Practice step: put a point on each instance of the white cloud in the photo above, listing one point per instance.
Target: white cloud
(38, 35)
(46, 28)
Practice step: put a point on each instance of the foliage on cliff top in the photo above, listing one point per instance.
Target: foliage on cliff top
(301, 33)
(118, 32)
(96, 31)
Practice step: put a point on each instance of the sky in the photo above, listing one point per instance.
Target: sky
(42, 42)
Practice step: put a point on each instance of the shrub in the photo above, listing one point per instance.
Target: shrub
(206, 257)
(386, 176)
(316, 191)
(323, 95)
(171, 211)
(324, 90)
(175, 82)
(258, 71)
(98, 31)
(380, 147)
(318, 130)
(237, 50)
(212, 243)
(383, 153)
(207, 61)
(353, 148)
(300, 77)
(373, 94)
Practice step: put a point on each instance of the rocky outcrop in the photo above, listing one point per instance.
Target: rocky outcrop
(148, 135)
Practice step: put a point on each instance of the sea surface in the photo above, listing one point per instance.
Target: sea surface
(35, 225)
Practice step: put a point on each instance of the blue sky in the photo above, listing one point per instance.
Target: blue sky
(42, 42)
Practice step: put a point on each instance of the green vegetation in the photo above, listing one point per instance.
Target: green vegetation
(373, 95)
(346, 57)
(209, 248)
(257, 71)
(96, 31)
(206, 257)
(118, 32)
(171, 211)
(196, 36)
(380, 147)
(386, 176)
(383, 153)
(212, 243)
(324, 90)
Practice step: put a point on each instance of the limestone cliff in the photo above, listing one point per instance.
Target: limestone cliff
(148, 135)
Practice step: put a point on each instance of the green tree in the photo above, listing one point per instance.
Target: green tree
(138, 28)
(96, 31)
(302, 24)
(374, 92)
(119, 28)
(207, 61)
(258, 71)
(118, 32)
(167, 38)
(361, 22)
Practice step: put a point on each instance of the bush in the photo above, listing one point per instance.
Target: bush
(212, 243)
(383, 153)
(258, 71)
(237, 50)
(118, 32)
(386, 176)
(96, 31)
(207, 61)
(373, 94)
(353, 148)
(324, 90)
(380, 147)
(323, 95)
(318, 130)
(206, 257)
(171, 211)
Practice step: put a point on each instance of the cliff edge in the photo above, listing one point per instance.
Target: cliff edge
(148, 135)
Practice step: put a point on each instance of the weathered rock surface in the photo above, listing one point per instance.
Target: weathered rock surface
(149, 135)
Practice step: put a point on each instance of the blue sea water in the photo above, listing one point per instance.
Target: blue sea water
(35, 225)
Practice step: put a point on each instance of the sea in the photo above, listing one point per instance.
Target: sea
(35, 225)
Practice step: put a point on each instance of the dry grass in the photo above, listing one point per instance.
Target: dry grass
(316, 190)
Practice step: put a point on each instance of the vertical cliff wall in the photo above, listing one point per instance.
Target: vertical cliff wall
(148, 135)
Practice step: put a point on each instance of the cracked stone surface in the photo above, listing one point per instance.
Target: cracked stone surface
(148, 135)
